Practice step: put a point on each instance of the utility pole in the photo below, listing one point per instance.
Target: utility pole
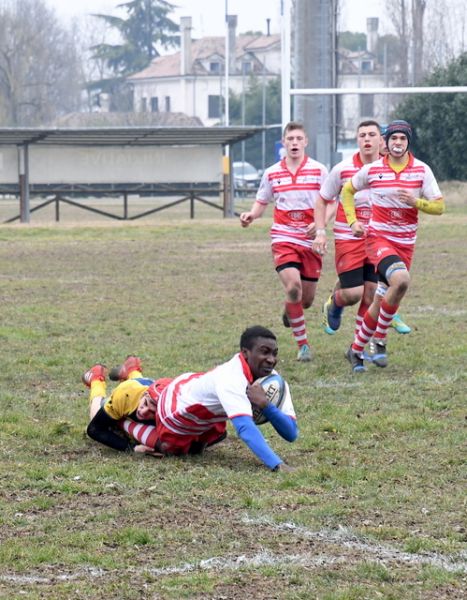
(315, 67)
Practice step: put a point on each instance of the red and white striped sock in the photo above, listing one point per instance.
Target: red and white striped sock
(296, 316)
(364, 333)
(386, 314)
(360, 314)
(144, 434)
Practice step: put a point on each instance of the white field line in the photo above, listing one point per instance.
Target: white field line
(430, 378)
(217, 563)
(345, 537)
(426, 308)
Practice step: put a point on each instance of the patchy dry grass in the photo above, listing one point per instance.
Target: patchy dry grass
(376, 506)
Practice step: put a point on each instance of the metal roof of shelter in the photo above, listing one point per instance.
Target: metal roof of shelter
(127, 136)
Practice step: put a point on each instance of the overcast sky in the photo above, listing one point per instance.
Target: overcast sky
(209, 15)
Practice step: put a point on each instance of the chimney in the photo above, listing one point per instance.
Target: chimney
(185, 50)
(372, 34)
(232, 23)
(268, 27)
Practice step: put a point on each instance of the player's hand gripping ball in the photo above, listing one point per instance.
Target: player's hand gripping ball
(274, 387)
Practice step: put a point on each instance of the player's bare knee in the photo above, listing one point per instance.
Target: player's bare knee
(294, 292)
(351, 296)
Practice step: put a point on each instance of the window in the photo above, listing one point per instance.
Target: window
(214, 107)
(215, 67)
(154, 104)
(144, 104)
(366, 66)
(246, 68)
(367, 105)
(167, 104)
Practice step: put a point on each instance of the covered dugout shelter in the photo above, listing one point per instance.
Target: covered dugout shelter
(64, 165)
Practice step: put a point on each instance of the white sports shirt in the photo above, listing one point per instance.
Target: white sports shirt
(193, 402)
(294, 196)
(330, 190)
(390, 217)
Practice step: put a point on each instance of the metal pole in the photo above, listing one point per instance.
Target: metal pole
(23, 172)
(454, 89)
(285, 62)
(226, 159)
(263, 120)
(227, 60)
(243, 109)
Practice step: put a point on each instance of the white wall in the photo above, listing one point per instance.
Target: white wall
(156, 164)
(189, 96)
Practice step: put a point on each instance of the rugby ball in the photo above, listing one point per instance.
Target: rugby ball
(274, 387)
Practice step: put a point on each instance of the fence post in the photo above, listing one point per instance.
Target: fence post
(192, 204)
(125, 205)
(23, 173)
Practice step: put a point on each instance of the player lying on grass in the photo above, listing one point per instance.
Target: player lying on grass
(192, 411)
(133, 401)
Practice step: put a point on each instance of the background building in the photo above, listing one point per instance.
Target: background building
(192, 81)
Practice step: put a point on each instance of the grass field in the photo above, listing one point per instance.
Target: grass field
(376, 505)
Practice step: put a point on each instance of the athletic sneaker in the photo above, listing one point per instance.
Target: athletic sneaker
(304, 354)
(121, 373)
(356, 360)
(399, 324)
(378, 354)
(97, 372)
(332, 316)
(285, 319)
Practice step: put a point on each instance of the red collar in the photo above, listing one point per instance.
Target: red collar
(357, 161)
(300, 167)
(246, 368)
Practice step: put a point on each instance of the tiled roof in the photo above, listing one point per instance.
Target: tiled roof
(202, 49)
(127, 119)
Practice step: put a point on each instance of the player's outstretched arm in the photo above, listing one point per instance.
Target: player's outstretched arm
(249, 433)
(285, 425)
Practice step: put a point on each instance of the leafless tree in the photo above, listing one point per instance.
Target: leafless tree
(445, 32)
(40, 69)
(397, 11)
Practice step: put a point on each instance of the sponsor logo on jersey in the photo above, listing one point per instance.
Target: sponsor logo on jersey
(396, 215)
(296, 215)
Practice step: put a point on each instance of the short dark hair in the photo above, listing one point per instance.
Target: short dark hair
(369, 123)
(293, 125)
(250, 335)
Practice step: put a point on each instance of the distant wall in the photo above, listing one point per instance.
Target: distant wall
(114, 164)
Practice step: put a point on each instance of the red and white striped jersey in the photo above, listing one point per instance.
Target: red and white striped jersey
(390, 217)
(294, 196)
(193, 402)
(332, 186)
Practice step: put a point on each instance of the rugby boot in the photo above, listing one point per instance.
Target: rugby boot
(356, 360)
(377, 352)
(96, 373)
(304, 353)
(332, 316)
(399, 324)
(122, 372)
